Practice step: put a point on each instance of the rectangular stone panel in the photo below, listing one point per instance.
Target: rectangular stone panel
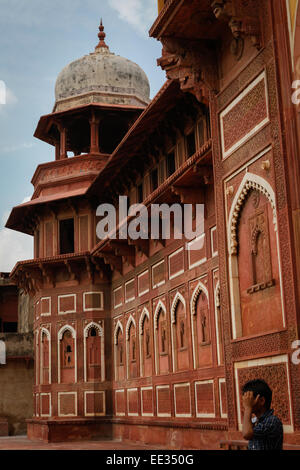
(223, 400)
(143, 283)
(133, 404)
(94, 403)
(93, 301)
(204, 395)
(197, 251)
(118, 297)
(67, 303)
(147, 401)
(182, 400)
(274, 370)
(129, 290)
(244, 116)
(67, 404)
(214, 241)
(176, 263)
(45, 404)
(158, 274)
(120, 402)
(45, 306)
(163, 400)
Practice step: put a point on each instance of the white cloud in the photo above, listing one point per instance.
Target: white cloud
(16, 148)
(8, 98)
(138, 13)
(14, 247)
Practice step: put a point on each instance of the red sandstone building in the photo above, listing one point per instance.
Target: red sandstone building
(150, 340)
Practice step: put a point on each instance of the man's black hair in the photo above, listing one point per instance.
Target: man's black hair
(259, 387)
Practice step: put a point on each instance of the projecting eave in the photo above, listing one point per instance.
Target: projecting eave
(45, 123)
(171, 21)
(22, 216)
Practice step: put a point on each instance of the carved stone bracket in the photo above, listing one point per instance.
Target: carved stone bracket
(241, 17)
(193, 64)
(73, 273)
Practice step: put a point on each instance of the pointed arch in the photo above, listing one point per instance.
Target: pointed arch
(145, 313)
(197, 291)
(46, 332)
(160, 306)
(178, 298)
(64, 329)
(131, 321)
(118, 327)
(90, 326)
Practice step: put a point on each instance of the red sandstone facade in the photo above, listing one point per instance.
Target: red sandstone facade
(148, 340)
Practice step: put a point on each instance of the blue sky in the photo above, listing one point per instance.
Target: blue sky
(38, 38)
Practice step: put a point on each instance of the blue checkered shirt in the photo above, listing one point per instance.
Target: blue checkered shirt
(267, 433)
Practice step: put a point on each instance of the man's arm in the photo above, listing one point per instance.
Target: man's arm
(249, 402)
(247, 424)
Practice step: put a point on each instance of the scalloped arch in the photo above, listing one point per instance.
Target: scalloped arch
(93, 325)
(131, 321)
(199, 288)
(160, 306)
(118, 326)
(64, 329)
(178, 298)
(249, 182)
(145, 313)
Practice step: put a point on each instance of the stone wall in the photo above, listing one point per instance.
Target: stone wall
(16, 394)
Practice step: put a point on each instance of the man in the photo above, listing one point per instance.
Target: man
(264, 431)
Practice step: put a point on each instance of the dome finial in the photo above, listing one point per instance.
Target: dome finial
(101, 37)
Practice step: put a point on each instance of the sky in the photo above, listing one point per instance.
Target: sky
(38, 38)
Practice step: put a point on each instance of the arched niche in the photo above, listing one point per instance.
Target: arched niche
(254, 260)
(131, 348)
(45, 357)
(119, 351)
(145, 344)
(161, 340)
(67, 355)
(179, 334)
(94, 360)
(200, 321)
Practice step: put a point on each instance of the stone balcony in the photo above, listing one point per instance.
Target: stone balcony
(67, 174)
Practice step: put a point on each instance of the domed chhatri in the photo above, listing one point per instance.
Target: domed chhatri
(101, 77)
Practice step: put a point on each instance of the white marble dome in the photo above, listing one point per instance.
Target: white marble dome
(101, 77)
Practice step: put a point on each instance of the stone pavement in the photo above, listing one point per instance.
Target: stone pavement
(22, 443)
